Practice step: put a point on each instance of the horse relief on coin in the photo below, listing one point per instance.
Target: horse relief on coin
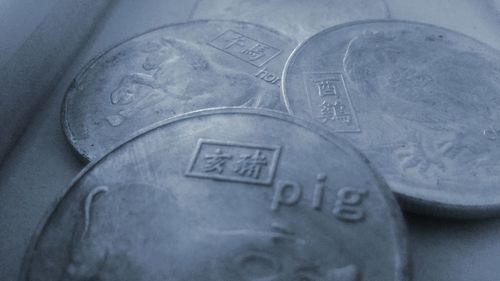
(169, 71)
(422, 102)
(194, 200)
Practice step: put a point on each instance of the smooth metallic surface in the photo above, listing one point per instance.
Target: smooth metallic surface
(169, 71)
(295, 18)
(422, 102)
(194, 200)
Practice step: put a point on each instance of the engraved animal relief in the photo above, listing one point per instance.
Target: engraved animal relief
(177, 77)
(276, 254)
(472, 151)
(424, 80)
(113, 233)
(421, 156)
(438, 92)
(460, 151)
(86, 255)
(138, 232)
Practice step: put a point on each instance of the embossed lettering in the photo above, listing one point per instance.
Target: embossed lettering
(267, 76)
(237, 40)
(256, 52)
(238, 162)
(286, 193)
(251, 164)
(326, 87)
(330, 102)
(334, 111)
(245, 48)
(318, 192)
(216, 162)
(348, 204)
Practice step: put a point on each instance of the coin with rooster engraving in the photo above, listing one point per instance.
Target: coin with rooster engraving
(421, 102)
(169, 71)
(225, 194)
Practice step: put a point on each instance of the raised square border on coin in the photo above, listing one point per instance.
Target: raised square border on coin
(277, 51)
(343, 94)
(275, 149)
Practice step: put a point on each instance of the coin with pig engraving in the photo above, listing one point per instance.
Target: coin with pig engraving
(169, 71)
(225, 194)
(422, 102)
(296, 18)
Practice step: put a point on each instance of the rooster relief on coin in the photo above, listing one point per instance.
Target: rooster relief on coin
(422, 102)
(192, 200)
(169, 71)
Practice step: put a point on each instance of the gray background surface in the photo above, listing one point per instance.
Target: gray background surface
(40, 164)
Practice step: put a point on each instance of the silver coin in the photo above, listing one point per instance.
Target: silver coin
(225, 194)
(422, 102)
(295, 18)
(169, 71)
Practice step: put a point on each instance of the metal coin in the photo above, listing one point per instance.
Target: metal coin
(422, 102)
(169, 71)
(295, 18)
(225, 194)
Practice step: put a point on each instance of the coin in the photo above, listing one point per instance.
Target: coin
(295, 18)
(422, 102)
(172, 70)
(225, 194)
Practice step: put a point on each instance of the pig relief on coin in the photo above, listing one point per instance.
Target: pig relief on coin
(421, 102)
(172, 70)
(273, 198)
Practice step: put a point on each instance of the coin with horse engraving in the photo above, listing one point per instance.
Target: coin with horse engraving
(295, 18)
(169, 71)
(422, 102)
(225, 194)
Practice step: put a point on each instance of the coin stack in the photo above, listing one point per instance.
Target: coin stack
(223, 150)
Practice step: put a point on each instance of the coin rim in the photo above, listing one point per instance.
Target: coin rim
(83, 155)
(403, 268)
(410, 203)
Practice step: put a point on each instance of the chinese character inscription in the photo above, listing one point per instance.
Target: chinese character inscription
(245, 48)
(330, 102)
(238, 162)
